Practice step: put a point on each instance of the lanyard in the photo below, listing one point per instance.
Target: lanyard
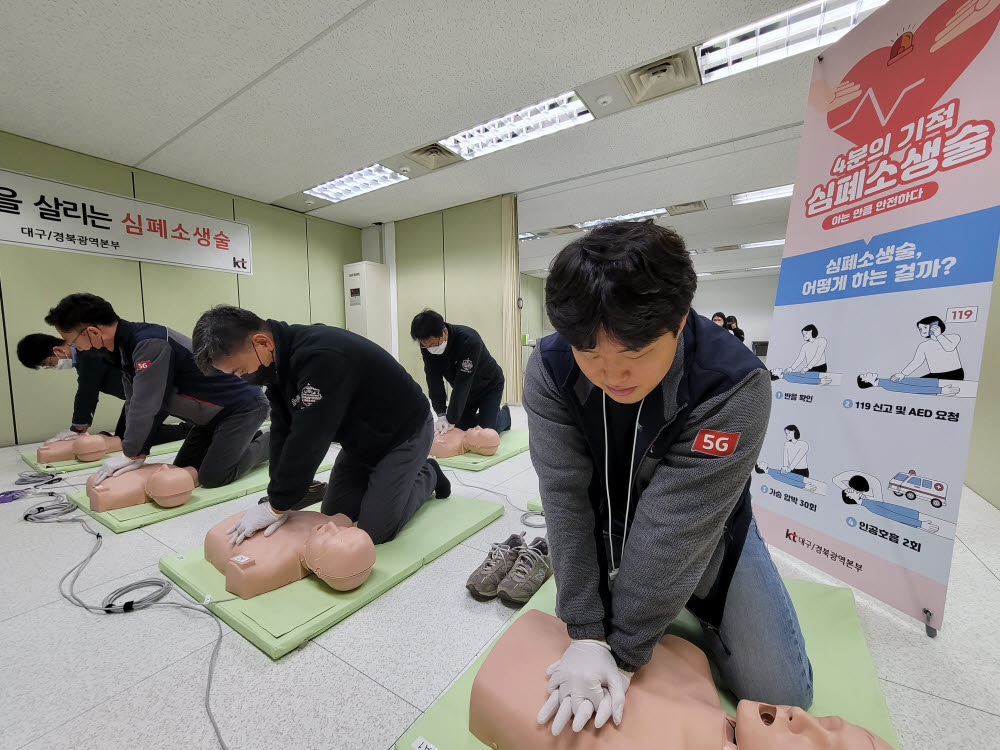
(613, 572)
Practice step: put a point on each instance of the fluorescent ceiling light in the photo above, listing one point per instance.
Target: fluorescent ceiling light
(637, 216)
(549, 116)
(762, 268)
(527, 236)
(765, 243)
(704, 274)
(356, 183)
(767, 194)
(793, 32)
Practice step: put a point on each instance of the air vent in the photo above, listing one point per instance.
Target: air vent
(687, 208)
(568, 229)
(664, 76)
(434, 156)
(725, 248)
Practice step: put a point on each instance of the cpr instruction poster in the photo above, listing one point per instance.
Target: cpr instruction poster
(883, 300)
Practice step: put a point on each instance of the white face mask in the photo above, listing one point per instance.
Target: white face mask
(64, 364)
(439, 349)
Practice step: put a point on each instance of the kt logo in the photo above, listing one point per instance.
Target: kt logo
(240, 263)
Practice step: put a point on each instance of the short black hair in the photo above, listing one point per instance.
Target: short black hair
(426, 324)
(862, 383)
(857, 483)
(812, 329)
(931, 320)
(222, 331)
(35, 348)
(795, 431)
(732, 319)
(719, 315)
(81, 310)
(634, 280)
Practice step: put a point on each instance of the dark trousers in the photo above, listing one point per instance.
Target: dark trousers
(818, 368)
(485, 412)
(958, 374)
(801, 472)
(381, 498)
(228, 447)
(162, 433)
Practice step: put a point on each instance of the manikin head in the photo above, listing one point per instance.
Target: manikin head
(341, 557)
(235, 341)
(92, 447)
(430, 331)
(868, 380)
(85, 321)
(792, 433)
(620, 296)
(932, 325)
(760, 726)
(719, 319)
(810, 332)
(42, 351)
(481, 440)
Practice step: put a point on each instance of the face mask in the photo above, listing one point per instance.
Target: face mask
(439, 349)
(263, 375)
(64, 364)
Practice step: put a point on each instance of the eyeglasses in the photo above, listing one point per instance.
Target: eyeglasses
(73, 342)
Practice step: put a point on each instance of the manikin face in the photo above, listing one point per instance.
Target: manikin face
(760, 726)
(258, 351)
(628, 376)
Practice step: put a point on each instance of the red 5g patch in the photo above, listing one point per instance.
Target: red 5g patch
(142, 365)
(716, 443)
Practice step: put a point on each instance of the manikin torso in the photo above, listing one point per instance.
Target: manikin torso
(166, 485)
(455, 442)
(84, 448)
(671, 703)
(341, 555)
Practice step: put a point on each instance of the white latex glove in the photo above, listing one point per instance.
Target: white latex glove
(116, 465)
(584, 682)
(442, 425)
(255, 518)
(64, 435)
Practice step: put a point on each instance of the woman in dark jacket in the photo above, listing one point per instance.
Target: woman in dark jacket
(733, 326)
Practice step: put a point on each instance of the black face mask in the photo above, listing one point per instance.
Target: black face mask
(263, 375)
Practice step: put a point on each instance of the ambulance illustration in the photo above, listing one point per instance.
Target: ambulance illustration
(913, 487)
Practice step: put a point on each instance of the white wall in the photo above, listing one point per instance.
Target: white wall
(750, 299)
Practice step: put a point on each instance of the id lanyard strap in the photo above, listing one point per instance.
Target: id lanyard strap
(613, 572)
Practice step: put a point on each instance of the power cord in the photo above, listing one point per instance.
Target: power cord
(57, 512)
(533, 519)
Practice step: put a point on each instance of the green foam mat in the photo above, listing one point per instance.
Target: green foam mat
(512, 442)
(61, 467)
(281, 620)
(135, 516)
(844, 678)
(535, 504)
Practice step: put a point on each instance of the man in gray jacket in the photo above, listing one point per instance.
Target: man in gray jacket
(646, 421)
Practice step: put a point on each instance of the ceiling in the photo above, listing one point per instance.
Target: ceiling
(266, 99)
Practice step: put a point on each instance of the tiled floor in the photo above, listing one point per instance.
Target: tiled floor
(78, 680)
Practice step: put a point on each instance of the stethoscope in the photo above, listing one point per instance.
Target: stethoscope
(613, 570)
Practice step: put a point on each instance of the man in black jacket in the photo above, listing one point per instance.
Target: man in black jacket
(97, 372)
(457, 354)
(159, 375)
(328, 385)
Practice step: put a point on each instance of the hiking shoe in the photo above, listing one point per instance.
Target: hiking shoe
(501, 558)
(532, 567)
(314, 494)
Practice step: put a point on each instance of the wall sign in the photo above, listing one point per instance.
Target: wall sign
(882, 302)
(56, 216)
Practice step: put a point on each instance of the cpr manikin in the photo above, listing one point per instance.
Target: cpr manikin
(340, 554)
(455, 442)
(85, 448)
(671, 703)
(164, 484)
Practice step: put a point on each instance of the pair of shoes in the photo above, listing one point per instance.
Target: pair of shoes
(512, 570)
(442, 486)
(314, 494)
(503, 419)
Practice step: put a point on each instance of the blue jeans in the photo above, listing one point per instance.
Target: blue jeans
(767, 660)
